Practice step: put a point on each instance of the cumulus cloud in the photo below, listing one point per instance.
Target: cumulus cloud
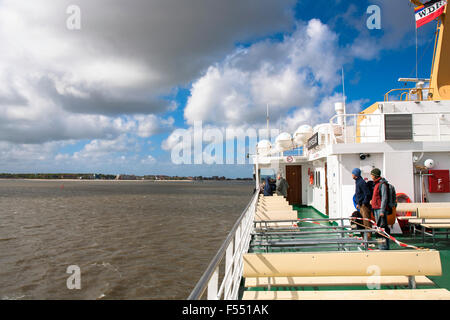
(298, 76)
(294, 72)
(148, 125)
(112, 82)
(57, 83)
(107, 155)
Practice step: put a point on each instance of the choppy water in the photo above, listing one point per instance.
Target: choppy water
(130, 239)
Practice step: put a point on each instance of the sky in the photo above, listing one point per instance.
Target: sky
(106, 86)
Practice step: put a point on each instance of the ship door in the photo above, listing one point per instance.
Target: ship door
(294, 179)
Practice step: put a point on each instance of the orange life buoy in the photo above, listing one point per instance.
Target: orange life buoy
(403, 198)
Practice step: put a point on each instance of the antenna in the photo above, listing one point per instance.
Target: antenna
(344, 99)
(343, 90)
(267, 118)
(417, 63)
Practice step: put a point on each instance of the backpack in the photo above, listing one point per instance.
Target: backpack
(392, 197)
(371, 185)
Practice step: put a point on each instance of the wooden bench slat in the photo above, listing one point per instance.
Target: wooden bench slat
(274, 208)
(435, 226)
(277, 211)
(332, 281)
(413, 206)
(429, 221)
(271, 224)
(403, 294)
(434, 213)
(388, 263)
(271, 216)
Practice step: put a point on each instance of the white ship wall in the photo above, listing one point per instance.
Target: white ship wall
(314, 195)
(399, 171)
(375, 160)
(442, 162)
(333, 186)
(347, 184)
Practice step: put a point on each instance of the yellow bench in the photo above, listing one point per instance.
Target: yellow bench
(433, 213)
(403, 294)
(274, 216)
(335, 267)
(414, 206)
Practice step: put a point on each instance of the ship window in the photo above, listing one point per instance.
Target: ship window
(398, 127)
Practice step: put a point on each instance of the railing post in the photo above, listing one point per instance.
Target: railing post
(213, 285)
(229, 262)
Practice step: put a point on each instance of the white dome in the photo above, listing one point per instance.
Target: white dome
(302, 134)
(283, 141)
(429, 163)
(263, 147)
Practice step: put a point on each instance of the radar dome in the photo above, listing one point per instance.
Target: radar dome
(283, 141)
(263, 147)
(302, 134)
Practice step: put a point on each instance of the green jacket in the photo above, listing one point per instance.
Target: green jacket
(282, 187)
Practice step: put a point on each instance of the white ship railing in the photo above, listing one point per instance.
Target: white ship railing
(229, 258)
(369, 128)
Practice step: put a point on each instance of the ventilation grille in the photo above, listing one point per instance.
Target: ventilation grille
(398, 127)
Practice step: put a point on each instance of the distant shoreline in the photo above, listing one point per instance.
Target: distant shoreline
(99, 180)
(113, 180)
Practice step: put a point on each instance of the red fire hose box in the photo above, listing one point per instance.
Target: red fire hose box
(439, 181)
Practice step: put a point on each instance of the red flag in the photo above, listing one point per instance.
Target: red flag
(429, 11)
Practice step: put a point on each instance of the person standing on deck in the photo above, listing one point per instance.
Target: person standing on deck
(362, 197)
(380, 203)
(267, 188)
(282, 186)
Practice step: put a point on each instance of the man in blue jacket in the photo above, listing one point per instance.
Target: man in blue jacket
(362, 197)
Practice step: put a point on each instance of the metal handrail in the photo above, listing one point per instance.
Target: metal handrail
(359, 115)
(407, 90)
(202, 284)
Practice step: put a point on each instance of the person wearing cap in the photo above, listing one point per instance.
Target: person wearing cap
(362, 197)
(379, 203)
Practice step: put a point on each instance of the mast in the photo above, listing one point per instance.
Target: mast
(440, 73)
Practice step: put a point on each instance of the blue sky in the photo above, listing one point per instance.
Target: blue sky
(108, 97)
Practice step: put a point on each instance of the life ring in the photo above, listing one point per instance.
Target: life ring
(403, 198)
